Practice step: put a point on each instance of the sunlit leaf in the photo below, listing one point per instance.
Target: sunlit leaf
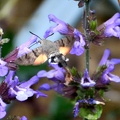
(87, 113)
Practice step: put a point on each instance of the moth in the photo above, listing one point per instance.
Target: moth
(54, 52)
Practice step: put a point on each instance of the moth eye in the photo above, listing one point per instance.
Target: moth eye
(56, 59)
(53, 60)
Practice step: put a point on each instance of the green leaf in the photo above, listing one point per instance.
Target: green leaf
(3, 41)
(93, 25)
(101, 92)
(74, 71)
(88, 113)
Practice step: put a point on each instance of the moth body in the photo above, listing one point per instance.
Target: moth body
(48, 47)
(52, 51)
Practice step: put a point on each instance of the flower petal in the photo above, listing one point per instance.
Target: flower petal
(104, 57)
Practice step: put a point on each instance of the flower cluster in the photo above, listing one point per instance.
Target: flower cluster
(89, 87)
(85, 90)
(11, 88)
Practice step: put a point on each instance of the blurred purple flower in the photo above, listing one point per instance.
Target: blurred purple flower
(3, 68)
(2, 109)
(106, 75)
(112, 26)
(65, 29)
(23, 118)
(86, 81)
(76, 109)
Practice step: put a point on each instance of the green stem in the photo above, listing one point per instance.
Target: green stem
(86, 34)
(87, 59)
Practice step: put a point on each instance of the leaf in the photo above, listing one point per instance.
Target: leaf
(93, 25)
(89, 114)
(3, 41)
(74, 71)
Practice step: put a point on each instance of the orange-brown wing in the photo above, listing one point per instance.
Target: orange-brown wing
(35, 57)
(40, 59)
(65, 44)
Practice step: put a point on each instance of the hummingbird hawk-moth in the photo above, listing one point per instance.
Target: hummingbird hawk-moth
(54, 52)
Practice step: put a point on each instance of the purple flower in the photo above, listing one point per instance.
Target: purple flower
(65, 29)
(22, 91)
(92, 101)
(9, 80)
(104, 57)
(76, 109)
(3, 68)
(107, 76)
(86, 81)
(78, 47)
(45, 87)
(57, 75)
(18, 90)
(2, 109)
(24, 48)
(61, 27)
(112, 26)
(58, 87)
(23, 118)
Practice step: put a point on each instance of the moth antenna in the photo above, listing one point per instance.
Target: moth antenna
(35, 35)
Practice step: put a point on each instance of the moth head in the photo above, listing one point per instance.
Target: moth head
(58, 58)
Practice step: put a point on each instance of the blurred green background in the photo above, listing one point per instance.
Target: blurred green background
(18, 17)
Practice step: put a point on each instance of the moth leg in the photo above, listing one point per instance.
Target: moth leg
(68, 76)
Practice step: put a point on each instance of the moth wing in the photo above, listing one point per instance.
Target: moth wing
(40, 59)
(35, 57)
(65, 44)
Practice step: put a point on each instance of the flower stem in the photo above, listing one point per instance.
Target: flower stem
(87, 59)
(87, 52)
